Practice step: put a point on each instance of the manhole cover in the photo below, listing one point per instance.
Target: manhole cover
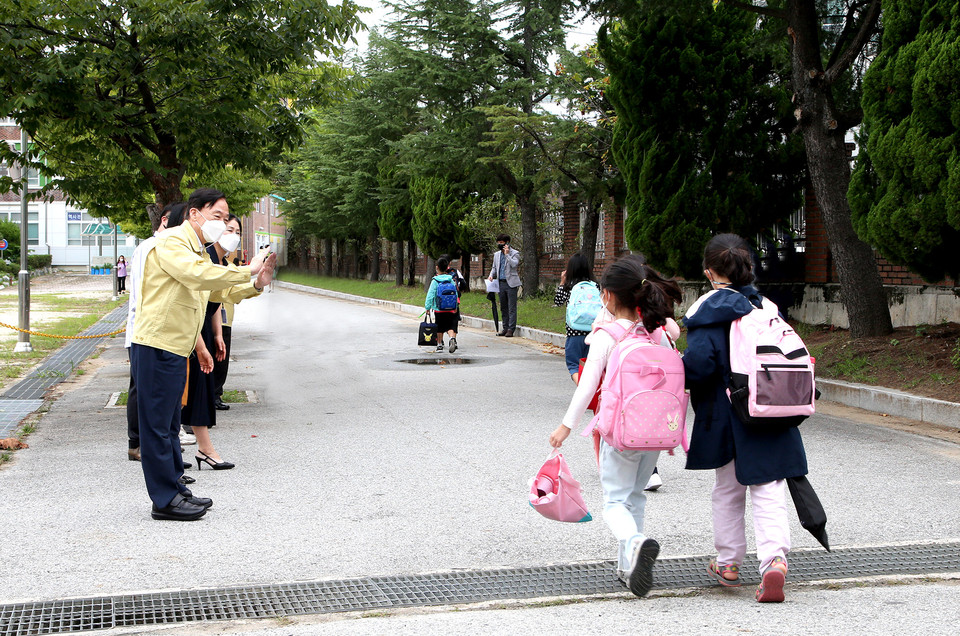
(437, 361)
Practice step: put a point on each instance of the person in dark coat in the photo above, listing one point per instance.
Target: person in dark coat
(744, 457)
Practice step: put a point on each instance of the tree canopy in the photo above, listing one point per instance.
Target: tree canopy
(701, 135)
(905, 190)
(125, 98)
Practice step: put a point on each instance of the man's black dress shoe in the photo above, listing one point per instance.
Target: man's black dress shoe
(220, 406)
(509, 333)
(205, 502)
(502, 332)
(179, 509)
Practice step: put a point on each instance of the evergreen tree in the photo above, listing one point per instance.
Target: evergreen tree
(438, 207)
(905, 190)
(827, 40)
(700, 134)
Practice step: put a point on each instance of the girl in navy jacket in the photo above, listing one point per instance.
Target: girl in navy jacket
(744, 457)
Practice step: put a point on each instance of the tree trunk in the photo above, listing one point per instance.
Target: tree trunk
(374, 258)
(338, 272)
(589, 228)
(861, 288)
(399, 257)
(328, 257)
(411, 263)
(465, 269)
(530, 270)
(356, 259)
(429, 272)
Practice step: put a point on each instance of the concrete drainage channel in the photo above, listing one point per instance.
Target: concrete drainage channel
(442, 588)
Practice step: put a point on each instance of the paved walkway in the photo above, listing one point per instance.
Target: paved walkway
(355, 464)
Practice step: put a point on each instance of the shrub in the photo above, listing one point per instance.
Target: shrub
(39, 261)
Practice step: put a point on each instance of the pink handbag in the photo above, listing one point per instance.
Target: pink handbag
(555, 494)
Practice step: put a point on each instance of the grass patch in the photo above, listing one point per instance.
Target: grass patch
(87, 311)
(122, 398)
(234, 397)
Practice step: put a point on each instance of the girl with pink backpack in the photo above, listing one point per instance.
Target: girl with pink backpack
(640, 300)
(745, 456)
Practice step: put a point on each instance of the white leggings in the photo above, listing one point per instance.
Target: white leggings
(623, 476)
(770, 521)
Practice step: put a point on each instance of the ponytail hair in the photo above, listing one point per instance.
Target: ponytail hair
(729, 256)
(641, 287)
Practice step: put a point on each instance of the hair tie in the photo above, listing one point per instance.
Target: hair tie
(642, 282)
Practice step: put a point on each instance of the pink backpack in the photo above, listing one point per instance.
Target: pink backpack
(771, 371)
(643, 404)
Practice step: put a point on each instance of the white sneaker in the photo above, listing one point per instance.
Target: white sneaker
(654, 482)
(186, 438)
(453, 345)
(643, 555)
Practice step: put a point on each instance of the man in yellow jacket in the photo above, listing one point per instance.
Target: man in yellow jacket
(178, 278)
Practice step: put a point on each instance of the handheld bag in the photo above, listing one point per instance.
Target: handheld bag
(583, 306)
(427, 335)
(771, 371)
(555, 494)
(643, 404)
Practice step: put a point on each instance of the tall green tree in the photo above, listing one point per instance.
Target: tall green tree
(827, 42)
(905, 189)
(438, 207)
(701, 131)
(125, 98)
(533, 31)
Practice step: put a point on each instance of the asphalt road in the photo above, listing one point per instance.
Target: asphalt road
(354, 463)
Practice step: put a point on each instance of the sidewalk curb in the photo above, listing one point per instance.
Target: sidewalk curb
(869, 398)
(892, 402)
(537, 335)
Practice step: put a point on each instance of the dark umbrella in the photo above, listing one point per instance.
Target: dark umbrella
(493, 303)
(812, 515)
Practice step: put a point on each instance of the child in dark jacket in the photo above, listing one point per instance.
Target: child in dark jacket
(744, 457)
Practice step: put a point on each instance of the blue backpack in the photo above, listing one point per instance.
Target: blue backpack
(446, 295)
(583, 306)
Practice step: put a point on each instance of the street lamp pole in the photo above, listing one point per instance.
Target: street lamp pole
(23, 279)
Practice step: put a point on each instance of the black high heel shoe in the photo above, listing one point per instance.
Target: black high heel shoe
(203, 458)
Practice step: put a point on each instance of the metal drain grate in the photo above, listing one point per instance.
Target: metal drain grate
(442, 588)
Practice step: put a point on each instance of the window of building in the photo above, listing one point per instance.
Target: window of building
(33, 178)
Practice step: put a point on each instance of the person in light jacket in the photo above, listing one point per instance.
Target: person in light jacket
(506, 262)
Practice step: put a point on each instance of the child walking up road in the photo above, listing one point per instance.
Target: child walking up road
(752, 458)
(443, 299)
(638, 298)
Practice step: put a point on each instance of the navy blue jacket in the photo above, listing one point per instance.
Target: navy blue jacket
(762, 454)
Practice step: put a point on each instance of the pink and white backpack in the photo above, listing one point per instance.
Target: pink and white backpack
(771, 371)
(643, 404)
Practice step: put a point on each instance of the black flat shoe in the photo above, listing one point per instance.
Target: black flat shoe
(502, 333)
(186, 479)
(220, 406)
(179, 509)
(204, 459)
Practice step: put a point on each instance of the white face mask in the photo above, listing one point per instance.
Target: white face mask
(229, 242)
(213, 229)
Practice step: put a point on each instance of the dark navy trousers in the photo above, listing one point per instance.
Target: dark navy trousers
(160, 377)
